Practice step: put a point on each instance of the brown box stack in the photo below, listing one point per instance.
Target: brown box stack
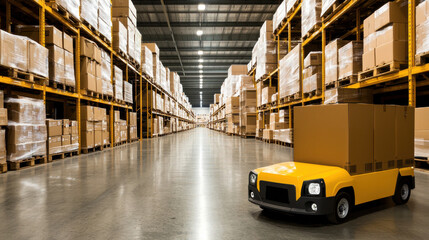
(155, 60)
(132, 130)
(350, 60)
(421, 139)
(289, 73)
(332, 60)
(312, 73)
(422, 30)
(26, 134)
(232, 112)
(90, 66)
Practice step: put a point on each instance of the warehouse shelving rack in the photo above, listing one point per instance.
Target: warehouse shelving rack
(39, 10)
(355, 11)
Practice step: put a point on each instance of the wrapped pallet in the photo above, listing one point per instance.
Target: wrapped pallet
(280, 14)
(289, 73)
(89, 12)
(348, 95)
(72, 6)
(13, 51)
(350, 59)
(120, 41)
(118, 78)
(326, 5)
(332, 60)
(26, 134)
(266, 94)
(137, 47)
(105, 19)
(422, 29)
(38, 59)
(128, 92)
(130, 35)
(107, 88)
(310, 15)
(147, 61)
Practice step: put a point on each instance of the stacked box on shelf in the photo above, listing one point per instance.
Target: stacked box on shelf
(126, 12)
(385, 36)
(155, 60)
(120, 39)
(132, 129)
(348, 95)
(128, 92)
(89, 12)
(3, 122)
(26, 131)
(247, 106)
(118, 78)
(279, 15)
(360, 138)
(137, 47)
(90, 66)
(104, 19)
(332, 60)
(147, 61)
(71, 6)
(422, 29)
(106, 74)
(87, 126)
(350, 60)
(232, 110)
(421, 132)
(312, 73)
(310, 18)
(289, 74)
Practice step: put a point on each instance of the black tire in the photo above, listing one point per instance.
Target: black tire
(402, 192)
(341, 209)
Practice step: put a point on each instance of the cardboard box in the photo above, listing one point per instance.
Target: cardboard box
(350, 59)
(67, 43)
(267, 92)
(391, 12)
(2, 146)
(384, 136)
(87, 113)
(19, 134)
(98, 126)
(74, 139)
(53, 36)
(347, 95)
(88, 79)
(125, 4)
(368, 60)
(54, 127)
(216, 98)
(332, 60)
(268, 134)
(87, 48)
(237, 70)
(87, 126)
(3, 117)
(98, 139)
(69, 73)
(87, 140)
(54, 144)
(38, 59)
(370, 42)
(335, 135)
(422, 12)
(66, 127)
(313, 59)
(404, 135)
(232, 105)
(392, 51)
(369, 26)
(65, 140)
(392, 32)
(12, 48)
(74, 128)
(56, 64)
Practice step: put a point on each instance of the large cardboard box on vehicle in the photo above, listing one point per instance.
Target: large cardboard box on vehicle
(339, 135)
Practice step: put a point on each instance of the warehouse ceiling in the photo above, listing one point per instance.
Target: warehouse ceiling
(230, 30)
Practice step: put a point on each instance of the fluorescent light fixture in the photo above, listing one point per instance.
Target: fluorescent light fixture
(201, 76)
(201, 93)
(200, 52)
(201, 7)
(201, 60)
(201, 71)
(200, 32)
(200, 66)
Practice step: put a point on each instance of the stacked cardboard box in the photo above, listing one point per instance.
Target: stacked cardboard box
(128, 92)
(23, 53)
(120, 39)
(3, 111)
(310, 18)
(126, 12)
(283, 135)
(266, 94)
(232, 111)
(26, 132)
(422, 29)
(385, 36)
(289, 73)
(62, 136)
(87, 127)
(147, 61)
(357, 137)
(348, 95)
(89, 12)
(268, 134)
(280, 15)
(350, 60)
(90, 66)
(104, 19)
(106, 74)
(71, 6)
(132, 129)
(312, 73)
(421, 139)
(248, 110)
(155, 60)
(118, 78)
(3, 122)
(120, 128)
(332, 60)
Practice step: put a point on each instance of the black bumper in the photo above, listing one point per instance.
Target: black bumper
(325, 205)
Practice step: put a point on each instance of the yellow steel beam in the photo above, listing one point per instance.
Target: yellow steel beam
(411, 53)
(381, 79)
(290, 18)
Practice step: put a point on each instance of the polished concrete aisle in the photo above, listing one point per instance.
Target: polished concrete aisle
(191, 185)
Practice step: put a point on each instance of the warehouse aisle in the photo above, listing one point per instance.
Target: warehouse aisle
(191, 185)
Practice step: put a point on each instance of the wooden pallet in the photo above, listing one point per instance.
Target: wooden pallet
(57, 156)
(382, 70)
(63, 12)
(22, 75)
(122, 143)
(422, 59)
(89, 93)
(121, 53)
(292, 10)
(263, 77)
(290, 98)
(311, 31)
(107, 97)
(145, 75)
(264, 106)
(313, 93)
(3, 167)
(119, 101)
(338, 4)
(421, 159)
(90, 27)
(57, 85)
(90, 150)
(283, 143)
(29, 162)
(268, 140)
(248, 135)
(342, 82)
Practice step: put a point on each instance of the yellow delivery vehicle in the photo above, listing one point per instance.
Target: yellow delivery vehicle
(344, 155)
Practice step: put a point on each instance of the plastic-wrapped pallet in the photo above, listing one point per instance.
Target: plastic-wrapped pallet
(266, 95)
(106, 75)
(13, 51)
(120, 41)
(350, 59)
(280, 14)
(69, 74)
(346, 95)
(72, 6)
(290, 6)
(310, 15)
(332, 59)
(105, 18)
(422, 28)
(137, 47)
(289, 73)
(26, 135)
(326, 4)
(128, 92)
(286, 135)
(89, 12)
(147, 61)
(119, 94)
(56, 64)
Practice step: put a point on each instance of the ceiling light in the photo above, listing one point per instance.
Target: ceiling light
(200, 52)
(201, 71)
(200, 66)
(201, 93)
(201, 7)
(200, 32)
(201, 76)
(201, 60)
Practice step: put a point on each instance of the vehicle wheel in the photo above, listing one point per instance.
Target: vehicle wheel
(402, 192)
(342, 208)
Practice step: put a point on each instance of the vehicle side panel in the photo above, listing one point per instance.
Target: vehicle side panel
(372, 186)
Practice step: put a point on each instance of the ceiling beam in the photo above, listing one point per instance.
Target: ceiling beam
(234, 37)
(146, 11)
(199, 25)
(211, 2)
(214, 57)
(207, 49)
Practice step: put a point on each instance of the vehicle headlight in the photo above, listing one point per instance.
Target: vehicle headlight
(314, 188)
(252, 178)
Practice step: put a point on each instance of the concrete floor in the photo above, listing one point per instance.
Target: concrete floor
(191, 185)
